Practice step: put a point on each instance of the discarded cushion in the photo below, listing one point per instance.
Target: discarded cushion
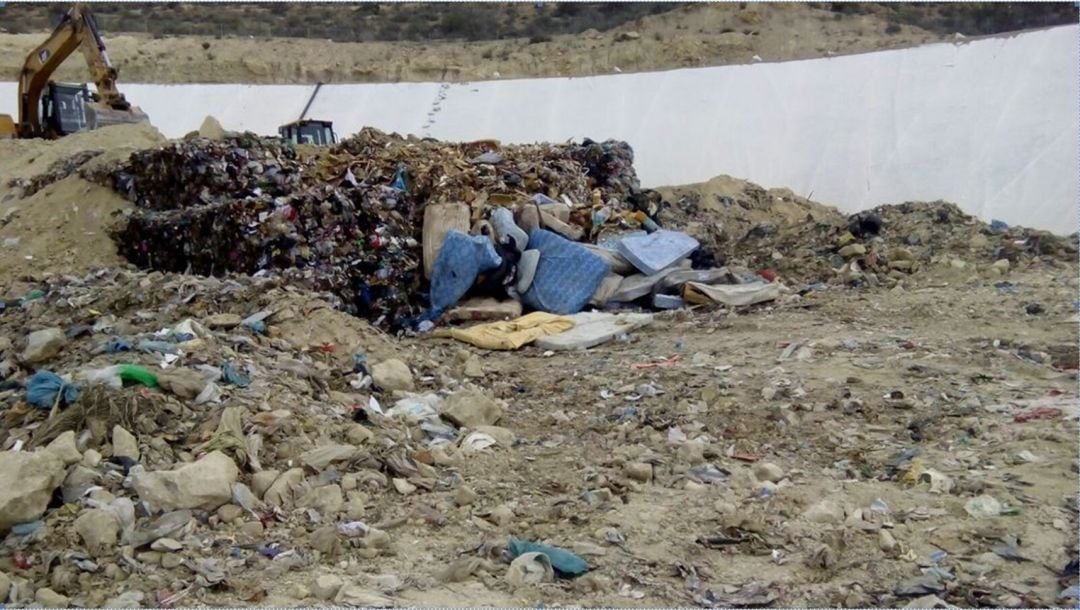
(461, 260)
(566, 277)
(656, 251)
(592, 328)
(739, 295)
(511, 334)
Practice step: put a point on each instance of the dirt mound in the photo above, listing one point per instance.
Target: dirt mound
(51, 219)
(782, 234)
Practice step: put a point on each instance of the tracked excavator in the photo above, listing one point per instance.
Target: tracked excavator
(52, 110)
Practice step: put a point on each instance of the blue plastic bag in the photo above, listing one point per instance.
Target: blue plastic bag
(161, 347)
(43, 387)
(399, 180)
(564, 562)
(232, 376)
(117, 344)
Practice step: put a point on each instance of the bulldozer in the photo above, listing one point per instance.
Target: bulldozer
(309, 131)
(52, 110)
(313, 132)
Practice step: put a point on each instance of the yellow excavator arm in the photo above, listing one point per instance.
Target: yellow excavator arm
(77, 30)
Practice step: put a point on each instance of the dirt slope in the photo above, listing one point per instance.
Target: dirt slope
(690, 36)
(60, 228)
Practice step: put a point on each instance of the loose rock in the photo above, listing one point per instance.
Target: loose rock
(358, 434)
(886, 541)
(326, 586)
(261, 481)
(639, 471)
(42, 345)
(64, 448)
(166, 545)
(765, 471)
(222, 321)
(393, 375)
(27, 481)
(464, 496)
(825, 512)
(124, 444)
(205, 484)
(328, 499)
(51, 599)
(281, 492)
(471, 409)
(99, 531)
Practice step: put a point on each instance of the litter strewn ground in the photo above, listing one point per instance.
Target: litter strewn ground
(871, 435)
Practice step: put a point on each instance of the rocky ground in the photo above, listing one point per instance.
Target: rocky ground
(844, 447)
(898, 429)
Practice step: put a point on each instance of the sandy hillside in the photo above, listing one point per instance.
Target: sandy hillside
(691, 36)
(60, 227)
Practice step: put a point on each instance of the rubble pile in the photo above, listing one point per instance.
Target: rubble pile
(350, 221)
(788, 237)
(170, 438)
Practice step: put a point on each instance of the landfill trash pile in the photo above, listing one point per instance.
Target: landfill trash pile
(789, 237)
(361, 220)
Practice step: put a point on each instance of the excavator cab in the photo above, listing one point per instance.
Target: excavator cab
(64, 109)
(309, 131)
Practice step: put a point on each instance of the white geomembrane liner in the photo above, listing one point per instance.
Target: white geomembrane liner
(990, 124)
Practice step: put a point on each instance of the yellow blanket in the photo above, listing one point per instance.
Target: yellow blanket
(511, 334)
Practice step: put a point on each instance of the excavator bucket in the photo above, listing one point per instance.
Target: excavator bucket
(98, 116)
(7, 127)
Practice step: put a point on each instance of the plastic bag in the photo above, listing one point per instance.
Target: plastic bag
(564, 562)
(43, 387)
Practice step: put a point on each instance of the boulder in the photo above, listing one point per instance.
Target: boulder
(393, 375)
(327, 500)
(262, 480)
(64, 448)
(471, 409)
(281, 491)
(205, 484)
(223, 321)
(27, 482)
(825, 512)
(99, 531)
(51, 599)
(43, 344)
(124, 444)
(326, 586)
